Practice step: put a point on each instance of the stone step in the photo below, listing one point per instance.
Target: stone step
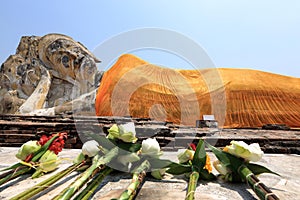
(169, 135)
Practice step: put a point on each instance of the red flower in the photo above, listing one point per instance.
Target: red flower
(193, 146)
(43, 140)
(57, 145)
(28, 158)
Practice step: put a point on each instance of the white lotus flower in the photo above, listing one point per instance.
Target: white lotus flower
(125, 132)
(151, 147)
(90, 148)
(128, 127)
(250, 152)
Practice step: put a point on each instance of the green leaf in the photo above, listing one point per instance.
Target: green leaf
(178, 169)
(259, 169)
(219, 154)
(157, 163)
(235, 162)
(131, 147)
(111, 143)
(233, 177)
(102, 140)
(205, 175)
(199, 159)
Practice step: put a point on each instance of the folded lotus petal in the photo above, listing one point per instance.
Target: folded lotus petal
(158, 174)
(185, 156)
(49, 161)
(27, 149)
(220, 167)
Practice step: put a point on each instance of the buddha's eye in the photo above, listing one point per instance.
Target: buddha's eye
(65, 61)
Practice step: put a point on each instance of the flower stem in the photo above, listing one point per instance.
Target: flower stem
(78, 183)
(90, 189)
(137, 178)
(98, 163)
(14, 174)
(10, 168)
(27, 194)
(190, 195)
(260, 189)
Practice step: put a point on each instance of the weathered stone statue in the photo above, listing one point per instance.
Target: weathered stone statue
(46, 75)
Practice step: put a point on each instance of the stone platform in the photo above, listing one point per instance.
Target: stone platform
(286, 187)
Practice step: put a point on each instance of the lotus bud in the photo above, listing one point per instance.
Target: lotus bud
(124, 132)
(158, 174)
(28, 148)
(151, 147)
(250, 152)
(90, 148)
(220, 167)
(185, 156)
(127, 132)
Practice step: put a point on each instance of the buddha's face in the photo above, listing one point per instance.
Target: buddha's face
(68, 59)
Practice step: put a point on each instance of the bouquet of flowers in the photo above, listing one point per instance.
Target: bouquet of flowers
(194, 162)
(36, 157)
(235, 165)
(120, 142)
(119, 150)
(146, 159)
(93, 159)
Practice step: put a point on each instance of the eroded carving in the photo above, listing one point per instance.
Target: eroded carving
(47, 72)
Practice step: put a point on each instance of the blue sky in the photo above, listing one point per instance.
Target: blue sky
(256, 34)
